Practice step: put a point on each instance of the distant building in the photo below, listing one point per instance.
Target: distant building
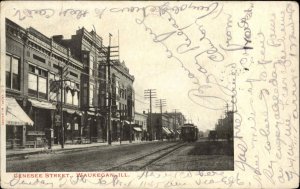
(201, 134)
(224, 127)
(140, 125)
(165, 125)
(206, 133)
(123, 97)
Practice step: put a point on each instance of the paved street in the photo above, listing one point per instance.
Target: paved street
(200, 155)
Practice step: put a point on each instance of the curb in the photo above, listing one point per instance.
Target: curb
(46, 151)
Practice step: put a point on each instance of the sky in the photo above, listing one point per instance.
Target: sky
(147, 60)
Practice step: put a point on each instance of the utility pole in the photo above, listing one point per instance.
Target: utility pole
(226, 107)
(61, 84)
(150, 93)
(161, 103)
(175, 126)
(61, 103)
(109, 89)
(61, 108)
(109, 94)
(130, 112)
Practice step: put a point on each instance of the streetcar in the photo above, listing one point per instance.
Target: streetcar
(189, 132)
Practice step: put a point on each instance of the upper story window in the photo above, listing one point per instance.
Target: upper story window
(72, 93)
(12, 69)
(91, 96)
(37, 82)
(39, 58)
(76, 96)
(118, 88)
(54, 87)
(91, 65)
(73, 74)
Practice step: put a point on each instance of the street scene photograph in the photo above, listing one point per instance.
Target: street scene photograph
(94, 96)
(72, 106)
(149, 94)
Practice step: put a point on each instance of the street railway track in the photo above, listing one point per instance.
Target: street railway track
(141, 162)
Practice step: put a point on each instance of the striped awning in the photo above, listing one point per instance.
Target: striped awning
(42, 105)
(15, 115)
(166, 130)
(90, 113)
(69, 111)
(171, 130)
(137, 129)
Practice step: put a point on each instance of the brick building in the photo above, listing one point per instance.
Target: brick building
(87, 47)
(166, 125)
(33, 65)
(140, 126)
(122, 101)
(40, 69)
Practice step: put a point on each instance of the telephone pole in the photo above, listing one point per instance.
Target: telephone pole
(109, 94)
(108, 90)
(150, 93)
(161, 103)
(175, 125)
(61, 108)
(62, 74)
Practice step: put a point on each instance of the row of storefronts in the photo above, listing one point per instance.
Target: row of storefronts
(166, 126)
(30, 125)
(43, 74)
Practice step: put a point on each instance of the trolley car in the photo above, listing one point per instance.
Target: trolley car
(189, 132)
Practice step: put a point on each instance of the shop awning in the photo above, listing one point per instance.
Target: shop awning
(90, 113)
(70, 111)
(166, 130)
(98, 114)
(114, 119)
(137, 129)
(43, 105)
(78, 113)
(15, 115)
(126, 122)
(171, 130)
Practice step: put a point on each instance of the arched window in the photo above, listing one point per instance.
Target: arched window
(69, 96)
(76, 97)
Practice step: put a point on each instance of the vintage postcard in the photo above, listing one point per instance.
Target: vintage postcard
(149, 94)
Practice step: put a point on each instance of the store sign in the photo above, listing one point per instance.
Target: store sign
(57, 119)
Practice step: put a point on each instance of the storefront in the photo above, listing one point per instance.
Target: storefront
(92, 127)
(137, 133)
(166, 133)
(126, 131)
(72, 124)
(16, 124)
(42, 113)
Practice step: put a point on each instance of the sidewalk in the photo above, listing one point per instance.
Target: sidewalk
(67, 147)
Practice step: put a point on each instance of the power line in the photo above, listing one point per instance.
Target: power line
(139, 95)
(141, 101)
